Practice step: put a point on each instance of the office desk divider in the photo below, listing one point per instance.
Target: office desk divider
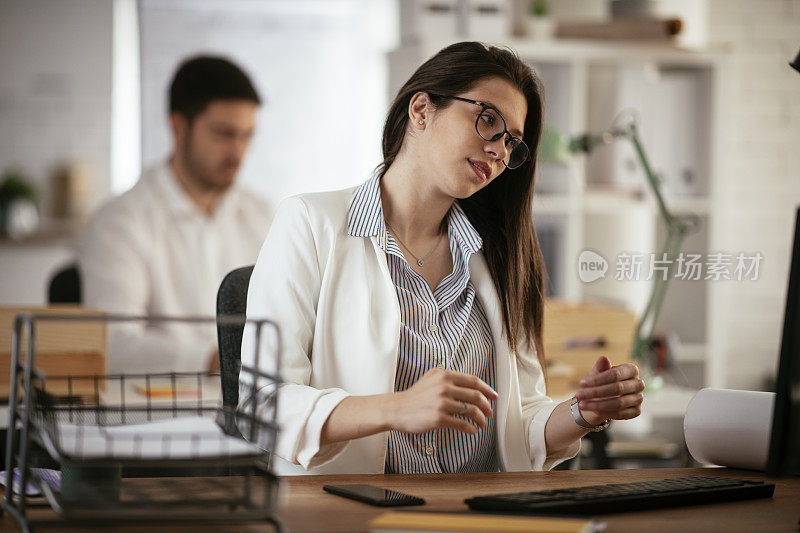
(134, 426)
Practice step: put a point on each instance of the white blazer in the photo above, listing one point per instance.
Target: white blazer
(334, 301)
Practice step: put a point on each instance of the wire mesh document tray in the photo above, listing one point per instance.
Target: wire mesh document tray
(140, 447)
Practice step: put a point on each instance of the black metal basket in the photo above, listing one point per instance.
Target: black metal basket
(141, 447)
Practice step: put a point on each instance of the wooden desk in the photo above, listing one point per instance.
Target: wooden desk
(306, 508)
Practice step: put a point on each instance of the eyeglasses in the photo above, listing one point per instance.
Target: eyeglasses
(491, 126)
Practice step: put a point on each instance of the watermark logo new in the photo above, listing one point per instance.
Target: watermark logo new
(591, 266)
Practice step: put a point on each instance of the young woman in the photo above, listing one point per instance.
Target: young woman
(411, 307)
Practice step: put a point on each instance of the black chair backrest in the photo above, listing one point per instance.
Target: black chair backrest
(65, 286)
(232, 301)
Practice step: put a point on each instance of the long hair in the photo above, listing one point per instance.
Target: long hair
(501, 212)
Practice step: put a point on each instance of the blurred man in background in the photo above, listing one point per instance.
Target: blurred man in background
(163, 247)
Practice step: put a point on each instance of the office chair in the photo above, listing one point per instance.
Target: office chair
(231, 301)
(65, 286)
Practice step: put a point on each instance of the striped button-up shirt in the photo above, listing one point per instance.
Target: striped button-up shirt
(441, 328)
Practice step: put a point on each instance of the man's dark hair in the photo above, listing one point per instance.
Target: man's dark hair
(203, 79)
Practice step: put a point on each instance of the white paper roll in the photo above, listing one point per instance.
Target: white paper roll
(730, 427)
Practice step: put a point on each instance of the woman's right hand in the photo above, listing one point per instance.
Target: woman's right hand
(436, 400)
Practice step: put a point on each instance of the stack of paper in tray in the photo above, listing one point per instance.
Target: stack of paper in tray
(174, 438)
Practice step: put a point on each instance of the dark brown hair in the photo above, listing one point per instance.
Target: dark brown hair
(201, 80)
(501, 211)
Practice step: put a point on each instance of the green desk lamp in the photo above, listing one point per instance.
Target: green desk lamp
(560, 148)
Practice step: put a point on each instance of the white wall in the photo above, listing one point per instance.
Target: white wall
(759, 187)
(55, 108)
(55, 87)
(318, 64)
(27, 270)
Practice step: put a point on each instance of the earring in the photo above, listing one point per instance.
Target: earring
(421, 122)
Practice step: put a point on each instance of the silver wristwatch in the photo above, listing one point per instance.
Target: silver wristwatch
(576, 414)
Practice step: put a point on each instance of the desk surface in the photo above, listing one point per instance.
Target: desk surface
(306, 508)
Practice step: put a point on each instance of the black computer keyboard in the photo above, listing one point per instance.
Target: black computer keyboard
(623, 497)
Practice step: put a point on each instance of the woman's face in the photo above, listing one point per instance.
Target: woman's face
(462, 162)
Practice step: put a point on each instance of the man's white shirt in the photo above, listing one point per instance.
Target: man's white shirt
(152, 251)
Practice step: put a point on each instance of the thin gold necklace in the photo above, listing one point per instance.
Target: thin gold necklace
(420, 262)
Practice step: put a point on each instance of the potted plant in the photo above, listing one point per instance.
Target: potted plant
(19, 213)
(540, 24)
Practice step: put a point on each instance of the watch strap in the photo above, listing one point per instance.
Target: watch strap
(578, 417)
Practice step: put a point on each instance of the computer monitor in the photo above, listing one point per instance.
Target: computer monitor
(784, 449)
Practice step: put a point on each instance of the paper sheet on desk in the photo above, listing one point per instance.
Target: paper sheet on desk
(176, 438)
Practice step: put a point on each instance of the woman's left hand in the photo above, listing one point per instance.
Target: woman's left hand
(610, 392)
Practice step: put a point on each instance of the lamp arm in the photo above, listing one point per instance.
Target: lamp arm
(631, 134)
(643, 337)
(677, 228)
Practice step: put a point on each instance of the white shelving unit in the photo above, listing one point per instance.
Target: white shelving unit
(602, 202)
